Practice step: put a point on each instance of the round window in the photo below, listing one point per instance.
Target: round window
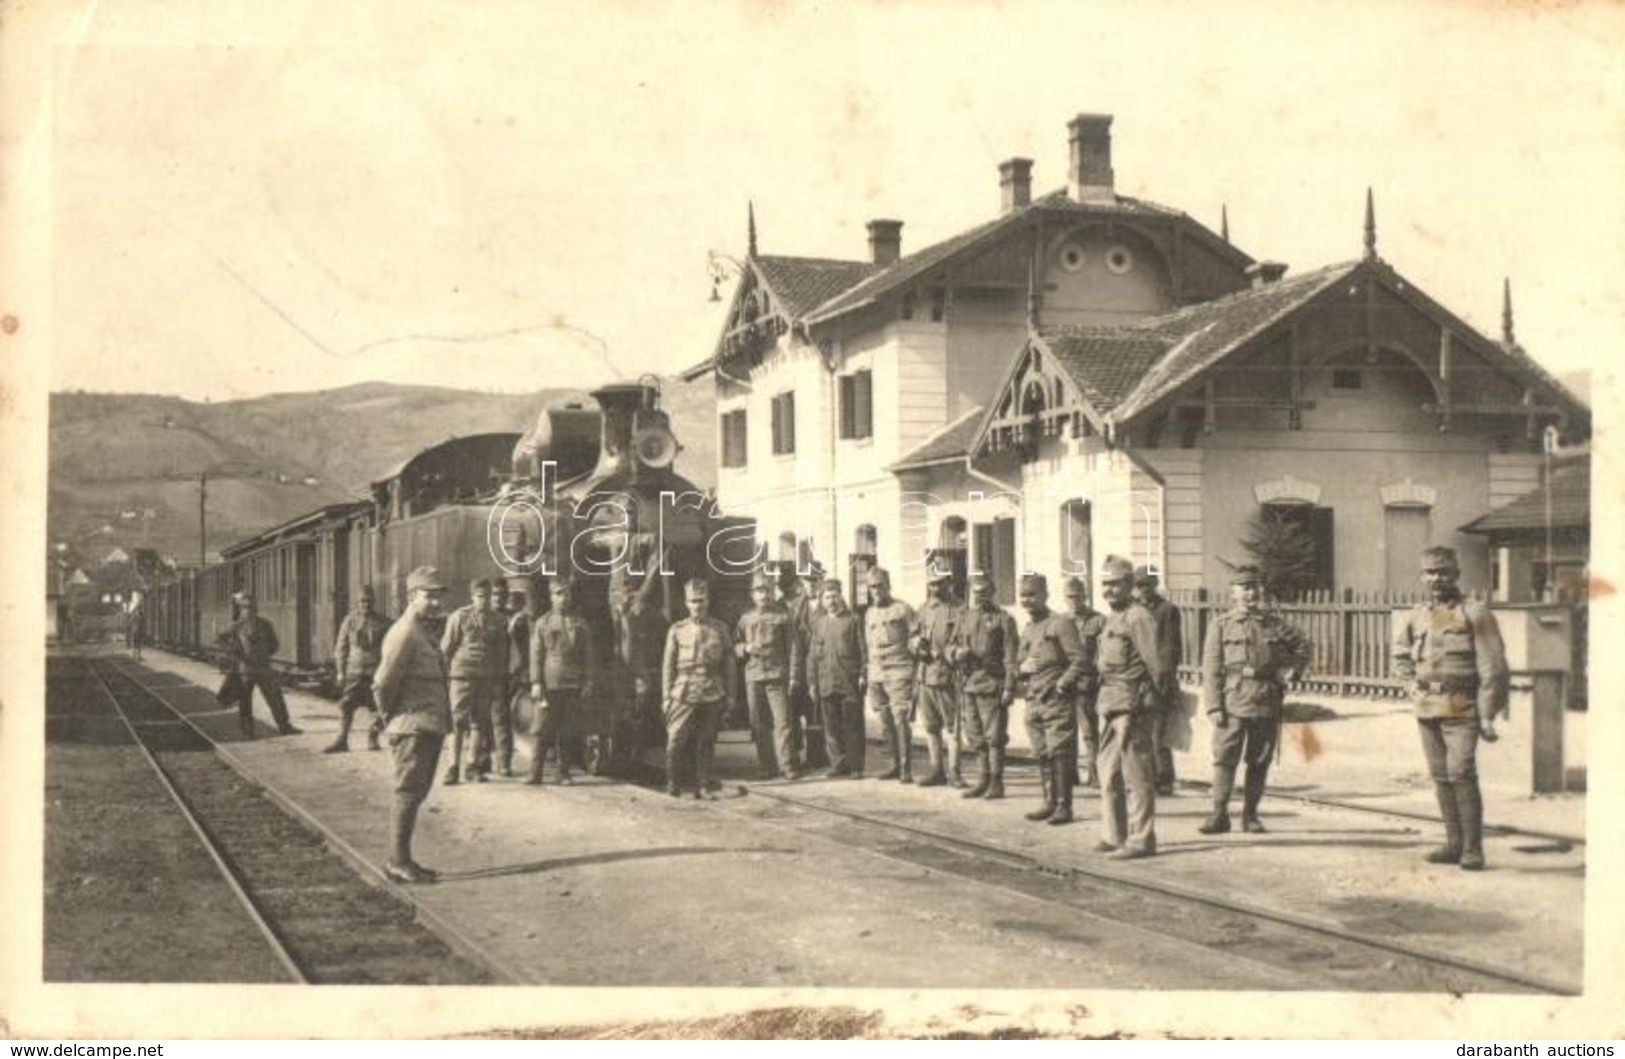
(1120, 259)
(1071, 257)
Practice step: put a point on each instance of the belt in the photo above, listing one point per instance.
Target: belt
(1443, 687)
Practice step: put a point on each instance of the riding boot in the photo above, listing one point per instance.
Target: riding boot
(983, 780)
(1252, 792)
(1072, 765)
(891, 751)
(453, 774)
(938, 777)
(1470, 806)
(905, 750)
(995, 786)
(402, 819)
(1091, 770)
(1064, 771)
(956, 776)
(1046, 779)
(1450, 812)
(1224, 781)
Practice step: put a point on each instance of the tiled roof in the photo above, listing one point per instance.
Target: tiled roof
(1104, 362)
(950, 443)
(1571, 505)
(801, 284)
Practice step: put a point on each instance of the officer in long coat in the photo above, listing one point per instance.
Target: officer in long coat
(835, 672)
(765, 641)
(564, 662)
(698, 678)
(1450, 649)
(1132, 676)
(984, 650)
(355, 660)
(410, 689)
(938, 705)
(1250, 656)
(475, 643)
(250, 644)
(1050, 663)
(890, 629)
(1089, 623)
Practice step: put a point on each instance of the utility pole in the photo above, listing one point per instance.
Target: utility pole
(202, 519)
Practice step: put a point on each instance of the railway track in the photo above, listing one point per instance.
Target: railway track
(324, 923)
(1316, 954)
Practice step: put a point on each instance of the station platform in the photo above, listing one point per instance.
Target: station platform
(541, 876)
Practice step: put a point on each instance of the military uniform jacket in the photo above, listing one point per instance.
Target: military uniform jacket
(939, 624)
(888, 633)
(1170, 645)
(699, 662)
(1050, 658)
(1246, 663)
(251, 644)
(475, 643)
(985, 647)
(803, 611)
(1090, 624)
(1454, 654)
(1131, 666)
(772, 650)
(835, 654)
(361, 638)
(563, 653)
(410, 684)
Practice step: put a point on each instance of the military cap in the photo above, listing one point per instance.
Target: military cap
(697, 586)
(1439, 555)
(879, 574)
(764, 578)
(1246, 574)
(1075, 584)
(981, 579)
(1116, 568)
(480, 583)
(1032, 580)
(937, 569)
(426, 578)
(831, 583)
(366, 591)
(1144, 575)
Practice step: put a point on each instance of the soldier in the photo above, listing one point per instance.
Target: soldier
(804, 600)
(984, 650)
(563, 662)
(938, 705)
(1131, 679)
(355, 660)
(765, 642)
(640, 633)
(1450, 649)
(1051, 667)
(409, 687)
(1250, 656)
(1089, 622)
(250, 643)
(836, 660)
(1170, 639)
(475, 643)
(503, 605)
(697, 685)
(889, 627)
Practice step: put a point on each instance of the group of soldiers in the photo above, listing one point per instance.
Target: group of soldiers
(1102, 704)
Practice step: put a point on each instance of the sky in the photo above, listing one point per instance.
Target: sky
(254, 198)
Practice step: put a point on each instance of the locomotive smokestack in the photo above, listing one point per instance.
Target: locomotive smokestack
(618, 402)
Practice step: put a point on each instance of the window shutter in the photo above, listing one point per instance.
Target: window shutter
(863, 404)
(848, 393)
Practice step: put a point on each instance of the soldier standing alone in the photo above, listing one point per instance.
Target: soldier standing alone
(1051, 665)
(1131, 682)
(889, 628)
(563, 661)
(697, 681)
(355, 658)
(984, 650)
(1249, 657)
(1450, 649)
(250, 643)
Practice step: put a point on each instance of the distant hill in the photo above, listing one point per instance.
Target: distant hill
(124, 467)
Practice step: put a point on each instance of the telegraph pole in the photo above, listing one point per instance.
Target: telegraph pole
(202, 520)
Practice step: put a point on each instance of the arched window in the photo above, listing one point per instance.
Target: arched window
(953, 544)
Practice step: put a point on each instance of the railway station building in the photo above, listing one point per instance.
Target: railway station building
(1089, 373)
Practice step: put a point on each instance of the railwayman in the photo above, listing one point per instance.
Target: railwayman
(835, 669)
(1250, 656)
(890, 627)
(410, 689)
(697, 682)
(355, 659)
(564, 664)
(475, 644)
(250, 643)
(1170, 640)
(984, 650)
(1089, 622)
(938, 705)
(766, 642)
(1050, 664)
(1131, 681)
(1450, 649)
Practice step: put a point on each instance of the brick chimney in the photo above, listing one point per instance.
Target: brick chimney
(885, 241)
(1015, 183)
(1263, 273)
(1089, 178)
